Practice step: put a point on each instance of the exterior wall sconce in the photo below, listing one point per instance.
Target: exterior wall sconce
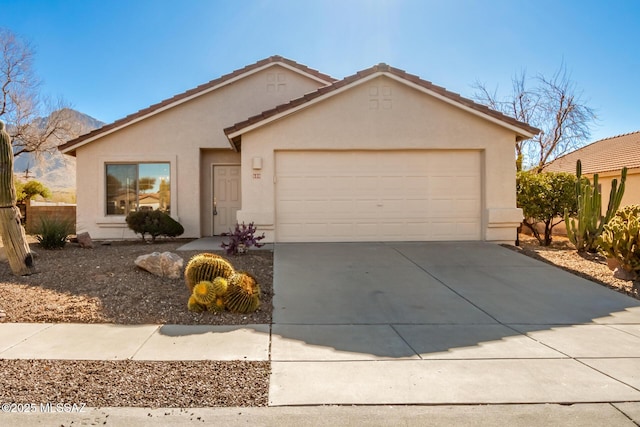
(257, 163)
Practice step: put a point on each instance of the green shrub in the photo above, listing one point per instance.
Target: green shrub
(52, 233)
(154, 223)
(620, 238)
(544, 197)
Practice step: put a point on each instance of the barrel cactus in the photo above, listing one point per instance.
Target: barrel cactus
(220, 285)
(204, 293)
(195, 306)
(243, 293)
(216, 306)
(206, 267)
(620, 239)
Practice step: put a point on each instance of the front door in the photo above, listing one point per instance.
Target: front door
(226, 197)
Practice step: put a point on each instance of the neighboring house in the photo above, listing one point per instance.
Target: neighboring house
(607, 157)
(380, 155)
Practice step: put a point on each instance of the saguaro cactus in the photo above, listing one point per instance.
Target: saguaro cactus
(11, 231)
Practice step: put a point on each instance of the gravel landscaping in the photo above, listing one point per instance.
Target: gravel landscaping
(562, 254)
(103, 285)
(183, 384)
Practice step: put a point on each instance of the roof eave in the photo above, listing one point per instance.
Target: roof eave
(70, 147)
(522, 133)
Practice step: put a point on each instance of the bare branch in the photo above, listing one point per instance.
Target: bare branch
(553, 105)
(35, 123)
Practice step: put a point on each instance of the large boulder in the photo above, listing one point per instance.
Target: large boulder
(165, 264)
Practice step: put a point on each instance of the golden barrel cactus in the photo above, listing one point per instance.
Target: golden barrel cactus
(243, 293)
(206, 267)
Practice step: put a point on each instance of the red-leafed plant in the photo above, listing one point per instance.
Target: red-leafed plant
(241, 239)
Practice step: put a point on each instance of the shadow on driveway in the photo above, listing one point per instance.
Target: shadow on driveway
(422, 300)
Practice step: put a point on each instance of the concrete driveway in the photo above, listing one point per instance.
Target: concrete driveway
(445, 323)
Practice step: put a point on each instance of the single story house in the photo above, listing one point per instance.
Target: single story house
(380, 155)
(607, 157)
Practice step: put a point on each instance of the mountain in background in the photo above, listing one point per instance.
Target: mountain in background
(56, 171)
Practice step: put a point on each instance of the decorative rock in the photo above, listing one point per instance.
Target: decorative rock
(166, 264)
(613, 263)
(84, 240)
(622, 274)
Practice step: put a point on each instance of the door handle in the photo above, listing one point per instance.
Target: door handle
(215, 207)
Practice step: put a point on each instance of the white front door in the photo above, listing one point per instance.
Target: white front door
(226, 197)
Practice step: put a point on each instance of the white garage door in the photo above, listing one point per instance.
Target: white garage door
(337, 196)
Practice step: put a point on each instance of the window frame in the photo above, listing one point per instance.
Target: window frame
(137, 163)
(99, 196)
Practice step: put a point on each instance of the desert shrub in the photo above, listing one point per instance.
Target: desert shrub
(241, 239)
(544, 197)
(620, 238)
(52, 233)
(154, 223)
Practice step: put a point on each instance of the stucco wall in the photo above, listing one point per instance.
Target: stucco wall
(632, 187)
(384, 114)
(177, 135)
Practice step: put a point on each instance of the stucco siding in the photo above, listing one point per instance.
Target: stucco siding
(383, 114)
(632, 187)
(176, 136)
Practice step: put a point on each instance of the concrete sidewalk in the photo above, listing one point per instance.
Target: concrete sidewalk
(581, 415)
(67, 341)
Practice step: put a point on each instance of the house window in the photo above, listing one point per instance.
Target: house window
(138, 186)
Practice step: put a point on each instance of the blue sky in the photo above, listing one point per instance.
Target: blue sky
(110, 58)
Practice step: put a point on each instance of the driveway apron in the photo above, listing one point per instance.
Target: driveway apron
(445, 323)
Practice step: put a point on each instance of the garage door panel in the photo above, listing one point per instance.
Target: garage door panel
(378, 195)
(465, 208)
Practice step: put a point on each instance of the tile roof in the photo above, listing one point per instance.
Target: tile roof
(70, 146)
(606, 155)
(380, 68)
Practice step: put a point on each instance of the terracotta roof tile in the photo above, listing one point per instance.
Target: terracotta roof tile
(70, 146)
(606, 155)
(367, 72)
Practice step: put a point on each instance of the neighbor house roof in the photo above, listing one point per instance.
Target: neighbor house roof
(606, 155)
(70, 146)
(523, 130)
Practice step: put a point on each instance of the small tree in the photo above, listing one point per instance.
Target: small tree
(544, 198)
(29, 190)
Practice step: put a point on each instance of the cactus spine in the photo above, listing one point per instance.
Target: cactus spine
(206, 267)
(204, 293)
(243, 294)
(195, 306)
(590, 222)
(13, 236)
(215, 286)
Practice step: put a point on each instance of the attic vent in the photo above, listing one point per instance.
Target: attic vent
(380, 98)
(276, 82)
